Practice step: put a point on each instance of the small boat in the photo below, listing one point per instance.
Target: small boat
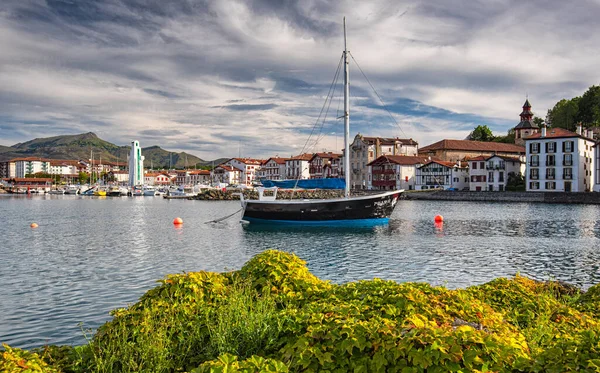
(371, 209)
(149, 191)
(114, 191)
(72, 189)
(57, 191)
(100, 192)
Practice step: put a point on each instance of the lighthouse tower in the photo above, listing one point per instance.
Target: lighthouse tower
(136, 165)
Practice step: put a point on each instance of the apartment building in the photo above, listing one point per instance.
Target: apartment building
(492, 173)
(298, 167)
(325, 165)
(393, 172)
(442, 175)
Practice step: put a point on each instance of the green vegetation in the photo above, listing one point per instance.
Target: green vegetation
(585, 109)
(273, 315)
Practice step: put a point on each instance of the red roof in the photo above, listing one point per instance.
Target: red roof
(302, 157)
(478, 158)
(248, 160)
(277, 160)
(509, 159)
(442, 163)
(388, 140)
(328, 155)
(554, 133)
(468, 145)
(403, 160)
(30, 159)
(227, 168)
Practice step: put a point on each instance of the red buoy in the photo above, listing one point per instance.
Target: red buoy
(178, 221)
(33, 225)
(438, 219)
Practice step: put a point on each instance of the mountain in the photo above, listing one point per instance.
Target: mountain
(80, 147)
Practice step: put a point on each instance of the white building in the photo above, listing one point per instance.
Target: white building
(442, 175)
(272, 169)
(491, 173)
(226, 174)
(364, 150)
(393, 172)
(65, 167)
(136, 165)
(298, 167)
(597, 167)
(30, 166)
(560, 161)
(248, 168)
(8, 169)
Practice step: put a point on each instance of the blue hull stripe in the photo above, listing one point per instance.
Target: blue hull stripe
(346, 222)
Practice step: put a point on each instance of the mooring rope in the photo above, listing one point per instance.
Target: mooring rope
(223, 218)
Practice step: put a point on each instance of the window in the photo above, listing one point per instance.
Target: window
(567, 159)
(567, 146)
(474, 165)
(491, 176)
(466, 179)
(501, 188)
(533, 185)
(550, 185)
(550, 160)
(490, 187)
(550, 173)
(534, 173)
(534, 161)
(534, 147)
(551, 147)
(481, 165)
(568, 174)
(501, 177)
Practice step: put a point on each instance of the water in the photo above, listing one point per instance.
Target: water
(91, 255)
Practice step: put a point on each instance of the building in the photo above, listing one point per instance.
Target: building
(226, 174)
(325, 165)
(597, 167)
(298, 167)
(248, 168)
(27, 183)
(65, 167)
(442, 175)
(193, 177)
(526, 126)
(560, 160)
(272, 169)
(492, 173)
(364, 150)
(393, 172)
(8, 169)
(121, 177)
(136, 164)
(458, 150)
(30, 166)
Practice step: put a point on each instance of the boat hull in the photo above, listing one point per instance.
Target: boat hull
(363, 210)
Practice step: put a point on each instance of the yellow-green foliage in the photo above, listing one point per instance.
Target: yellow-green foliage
(273, 315)
(15, 360)
(229, 364)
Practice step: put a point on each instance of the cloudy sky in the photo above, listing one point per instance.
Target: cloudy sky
(222, 78)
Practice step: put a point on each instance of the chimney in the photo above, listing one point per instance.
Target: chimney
(544, 128)
(579, 128)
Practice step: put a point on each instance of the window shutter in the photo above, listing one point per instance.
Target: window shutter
(546, 147)
(530, 147)
(564, 146)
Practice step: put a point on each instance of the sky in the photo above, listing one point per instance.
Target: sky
(229, 78)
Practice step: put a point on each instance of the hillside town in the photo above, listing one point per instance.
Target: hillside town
(542, 159)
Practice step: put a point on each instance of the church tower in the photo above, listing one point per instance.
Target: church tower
(526, 127)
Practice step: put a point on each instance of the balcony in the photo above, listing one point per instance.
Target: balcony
(550, 177)
(534, 164)
(534, 177)
(567, 163)
(568, 177)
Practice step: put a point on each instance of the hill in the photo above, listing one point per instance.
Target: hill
(80, 147)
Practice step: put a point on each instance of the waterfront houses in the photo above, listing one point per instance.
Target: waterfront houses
(325, 165)
(457, 150)
(30, 166)
(273, 168)
(597, 167)
(364, 150)
(8, 169)
(560, 160)
(442, 175)
(392, 172)
(193, 177)
(226, 174)
(298, 167)
(492, 173)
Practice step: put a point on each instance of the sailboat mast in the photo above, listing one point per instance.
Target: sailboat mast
(346, 118)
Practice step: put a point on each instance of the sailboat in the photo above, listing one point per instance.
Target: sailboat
(360, 210)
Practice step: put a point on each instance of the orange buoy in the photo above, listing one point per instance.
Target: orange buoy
(438, 219)
(33, 225)
(178, 221)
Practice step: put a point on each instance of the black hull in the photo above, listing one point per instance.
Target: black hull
(379, 206)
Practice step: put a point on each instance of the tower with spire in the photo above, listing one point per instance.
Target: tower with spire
(526, 126)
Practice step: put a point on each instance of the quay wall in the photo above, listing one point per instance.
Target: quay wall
(542, 197)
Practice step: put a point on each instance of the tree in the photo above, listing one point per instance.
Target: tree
(515, 182)
(538, 121)
(83, 177)
(481, 133)
(564, 113)
(508, 139)
(588, 111)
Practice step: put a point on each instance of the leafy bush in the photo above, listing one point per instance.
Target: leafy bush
(15, 360)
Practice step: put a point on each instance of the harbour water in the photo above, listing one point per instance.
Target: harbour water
(90, 255)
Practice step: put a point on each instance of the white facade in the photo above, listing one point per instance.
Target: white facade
(248, 168)
(559, 161)
(273, 169)
(226, 174)
(597, 168)
(136, 165)
(8, 169)
(298, 167)
(28, 166)
(64, 168)
(441, 175)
